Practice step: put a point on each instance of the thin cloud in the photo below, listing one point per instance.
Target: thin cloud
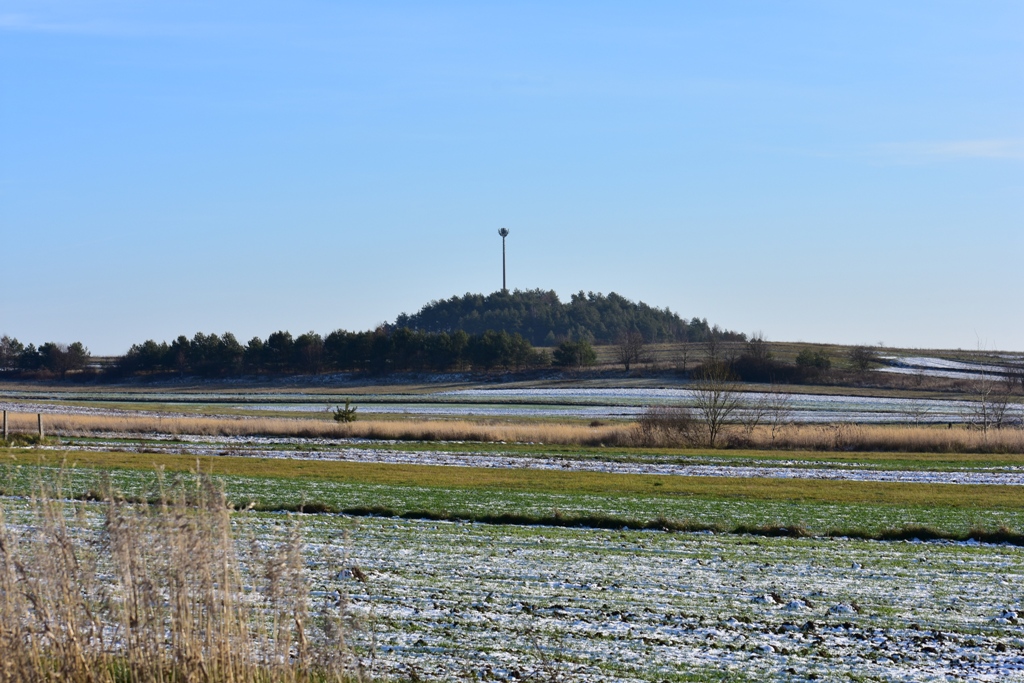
(28, 24)
(24, 23)
(996, 148)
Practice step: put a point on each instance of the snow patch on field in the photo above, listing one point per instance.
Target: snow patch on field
(807, 408)
(264, 447)
(940, 367)
(452, 599)
(458, 601)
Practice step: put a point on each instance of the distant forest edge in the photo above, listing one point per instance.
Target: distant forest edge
(543, 320)
(468, 333)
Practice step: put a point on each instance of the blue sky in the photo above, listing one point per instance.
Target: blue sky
(846, 172)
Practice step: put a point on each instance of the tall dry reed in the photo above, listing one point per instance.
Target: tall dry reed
(155, 593)
(660, 428)
(842, 436)
(411, 430)
(667, 429)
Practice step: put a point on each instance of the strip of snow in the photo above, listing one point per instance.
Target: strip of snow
(503, 461)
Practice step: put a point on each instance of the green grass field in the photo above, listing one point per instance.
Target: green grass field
(804, 458)
(538, 496)
(548, 481)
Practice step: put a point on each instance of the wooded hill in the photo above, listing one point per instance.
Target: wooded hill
(541, 318)
(469, 333)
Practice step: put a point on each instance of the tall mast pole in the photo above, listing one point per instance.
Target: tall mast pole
(504, 233)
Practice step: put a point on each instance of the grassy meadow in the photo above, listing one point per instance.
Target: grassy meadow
(530, 496)
(563, 580)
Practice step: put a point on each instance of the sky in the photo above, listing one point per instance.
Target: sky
(842, 172)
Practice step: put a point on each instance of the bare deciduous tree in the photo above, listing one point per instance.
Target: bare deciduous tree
(716, 397)
(753, 412)
(991, 407)
(916, 410)
(772, 409)
(682, 359)
(780, 413)
(862, 358)
(629, 348)
(712, 347)
(757, 348)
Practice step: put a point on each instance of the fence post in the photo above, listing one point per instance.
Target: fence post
(5, 425)
(40, 416)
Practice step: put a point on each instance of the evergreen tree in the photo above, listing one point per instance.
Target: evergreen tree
(543, 320)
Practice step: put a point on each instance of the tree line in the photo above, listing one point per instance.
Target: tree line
(51, 357)
(469, 333)
(378, 351)
(541, 318)
(381, 351)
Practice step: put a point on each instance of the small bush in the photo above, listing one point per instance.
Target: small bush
(667, 426)
(575, 354)
(814, 360)
(346, 414)
(861, 358)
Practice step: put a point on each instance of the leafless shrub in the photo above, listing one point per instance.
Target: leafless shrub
(666, 426)
(991, 407)
(838, 436)
(916, 411)
(681, 358)
(780, 414)
(752, 413)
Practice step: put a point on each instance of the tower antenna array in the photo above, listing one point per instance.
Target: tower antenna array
(504, 233)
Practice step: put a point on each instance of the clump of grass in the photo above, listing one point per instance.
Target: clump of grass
(157, 594)
(24, 440)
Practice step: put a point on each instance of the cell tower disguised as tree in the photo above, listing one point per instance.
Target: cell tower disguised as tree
(504, 233)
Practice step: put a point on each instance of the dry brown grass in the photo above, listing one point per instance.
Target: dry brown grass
(884, 438)
(158, 596)
(830, 437)
(411, 430)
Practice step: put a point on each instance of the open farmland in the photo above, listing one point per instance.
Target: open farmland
(565, 403)
(456, 600)
(518, 533)
(418, 342)
(450, 599)
(1005, 470)
(447, 601)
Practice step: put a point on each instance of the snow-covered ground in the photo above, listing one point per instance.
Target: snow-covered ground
(927, 366)
(334, 451)
(813, 408)
(476, 601)
(578, 403)
(457, 601)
